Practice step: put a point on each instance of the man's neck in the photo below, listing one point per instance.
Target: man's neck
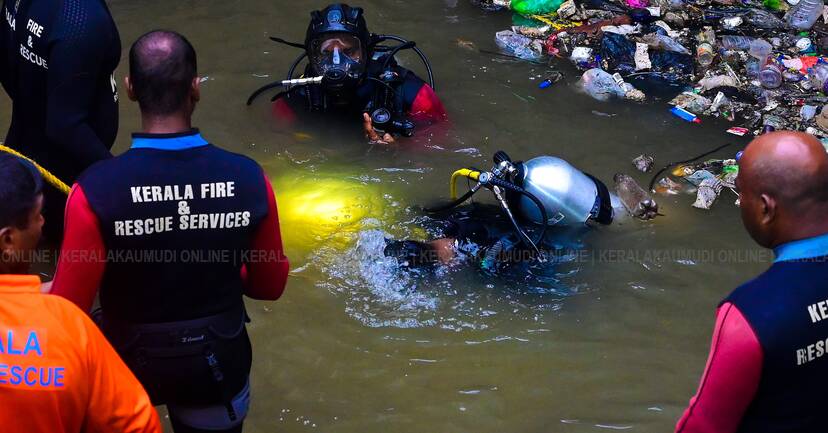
(165, 125)
(804, 228)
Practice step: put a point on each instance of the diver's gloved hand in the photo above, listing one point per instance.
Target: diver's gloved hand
(410, 253)
(371, 134)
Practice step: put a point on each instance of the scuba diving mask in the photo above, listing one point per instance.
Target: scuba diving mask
(339, 58)
(337, 46)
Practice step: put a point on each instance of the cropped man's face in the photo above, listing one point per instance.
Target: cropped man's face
(18, 242)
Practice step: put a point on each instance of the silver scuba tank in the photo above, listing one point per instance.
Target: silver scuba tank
(567, 193)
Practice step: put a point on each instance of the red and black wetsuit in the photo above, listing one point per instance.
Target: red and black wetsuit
(419, 101)
(174, 232)
(56, 64)
(769, 356)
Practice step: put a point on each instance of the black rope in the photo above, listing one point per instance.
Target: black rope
(288, 43)
(652, 181)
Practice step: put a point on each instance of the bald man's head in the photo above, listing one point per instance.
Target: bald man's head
(162, 70)
(783, 184)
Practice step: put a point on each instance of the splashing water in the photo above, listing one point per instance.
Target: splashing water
(379, 293)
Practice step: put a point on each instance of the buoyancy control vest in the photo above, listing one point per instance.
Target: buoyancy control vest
(177, 226)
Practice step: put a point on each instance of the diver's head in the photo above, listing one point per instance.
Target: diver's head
(337, 45)
(21, 192)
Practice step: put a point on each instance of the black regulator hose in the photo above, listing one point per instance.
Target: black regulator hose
(381, 38)
(275, 84)
(544, 216)
(390, 56)
(454, 203)
(295, 65)
(263, 89)
(288, 43)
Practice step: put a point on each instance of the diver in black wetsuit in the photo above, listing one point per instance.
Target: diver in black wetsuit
(57, 59)
(542, 189)
(351, 75)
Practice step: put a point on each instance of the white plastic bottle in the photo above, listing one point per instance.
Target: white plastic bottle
(804, 14)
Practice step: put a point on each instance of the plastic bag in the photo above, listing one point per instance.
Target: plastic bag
(536, 7)
(619, 53)
(600, 85)
(518, 45)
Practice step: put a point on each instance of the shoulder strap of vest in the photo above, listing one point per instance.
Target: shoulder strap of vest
(604, 215)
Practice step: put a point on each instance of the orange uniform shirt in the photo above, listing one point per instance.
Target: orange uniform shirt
(57, 371)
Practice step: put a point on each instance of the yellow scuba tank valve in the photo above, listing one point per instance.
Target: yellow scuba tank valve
(463, 172)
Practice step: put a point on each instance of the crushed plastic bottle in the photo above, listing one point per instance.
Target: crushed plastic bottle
(664, 42)
(717, 81)
(760, 49)
(804, 15)
(763, 19)
(600, 85)
(518, 45)
(733, 42)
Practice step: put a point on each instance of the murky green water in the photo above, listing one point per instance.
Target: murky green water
(614, 340)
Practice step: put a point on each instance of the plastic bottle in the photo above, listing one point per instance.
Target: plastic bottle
(752, 68)
(536, 7)
(518, 45)
(732, 42)
(763, 19)
(771, 76)
(665, 43)
(704, 54)
(818, 75)
(760, 49)
(804, 14)
(704, 50)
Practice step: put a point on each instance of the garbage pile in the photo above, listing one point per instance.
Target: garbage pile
(754, 62)
(706, 179)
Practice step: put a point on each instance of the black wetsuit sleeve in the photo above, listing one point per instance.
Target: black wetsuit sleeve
(4, 46)
(75, 63)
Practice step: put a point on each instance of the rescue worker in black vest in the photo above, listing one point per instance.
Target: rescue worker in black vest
(357, 80)
(174, 232)
(769, 357)
(57, 59)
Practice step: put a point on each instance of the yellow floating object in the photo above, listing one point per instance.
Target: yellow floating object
(47, 175)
